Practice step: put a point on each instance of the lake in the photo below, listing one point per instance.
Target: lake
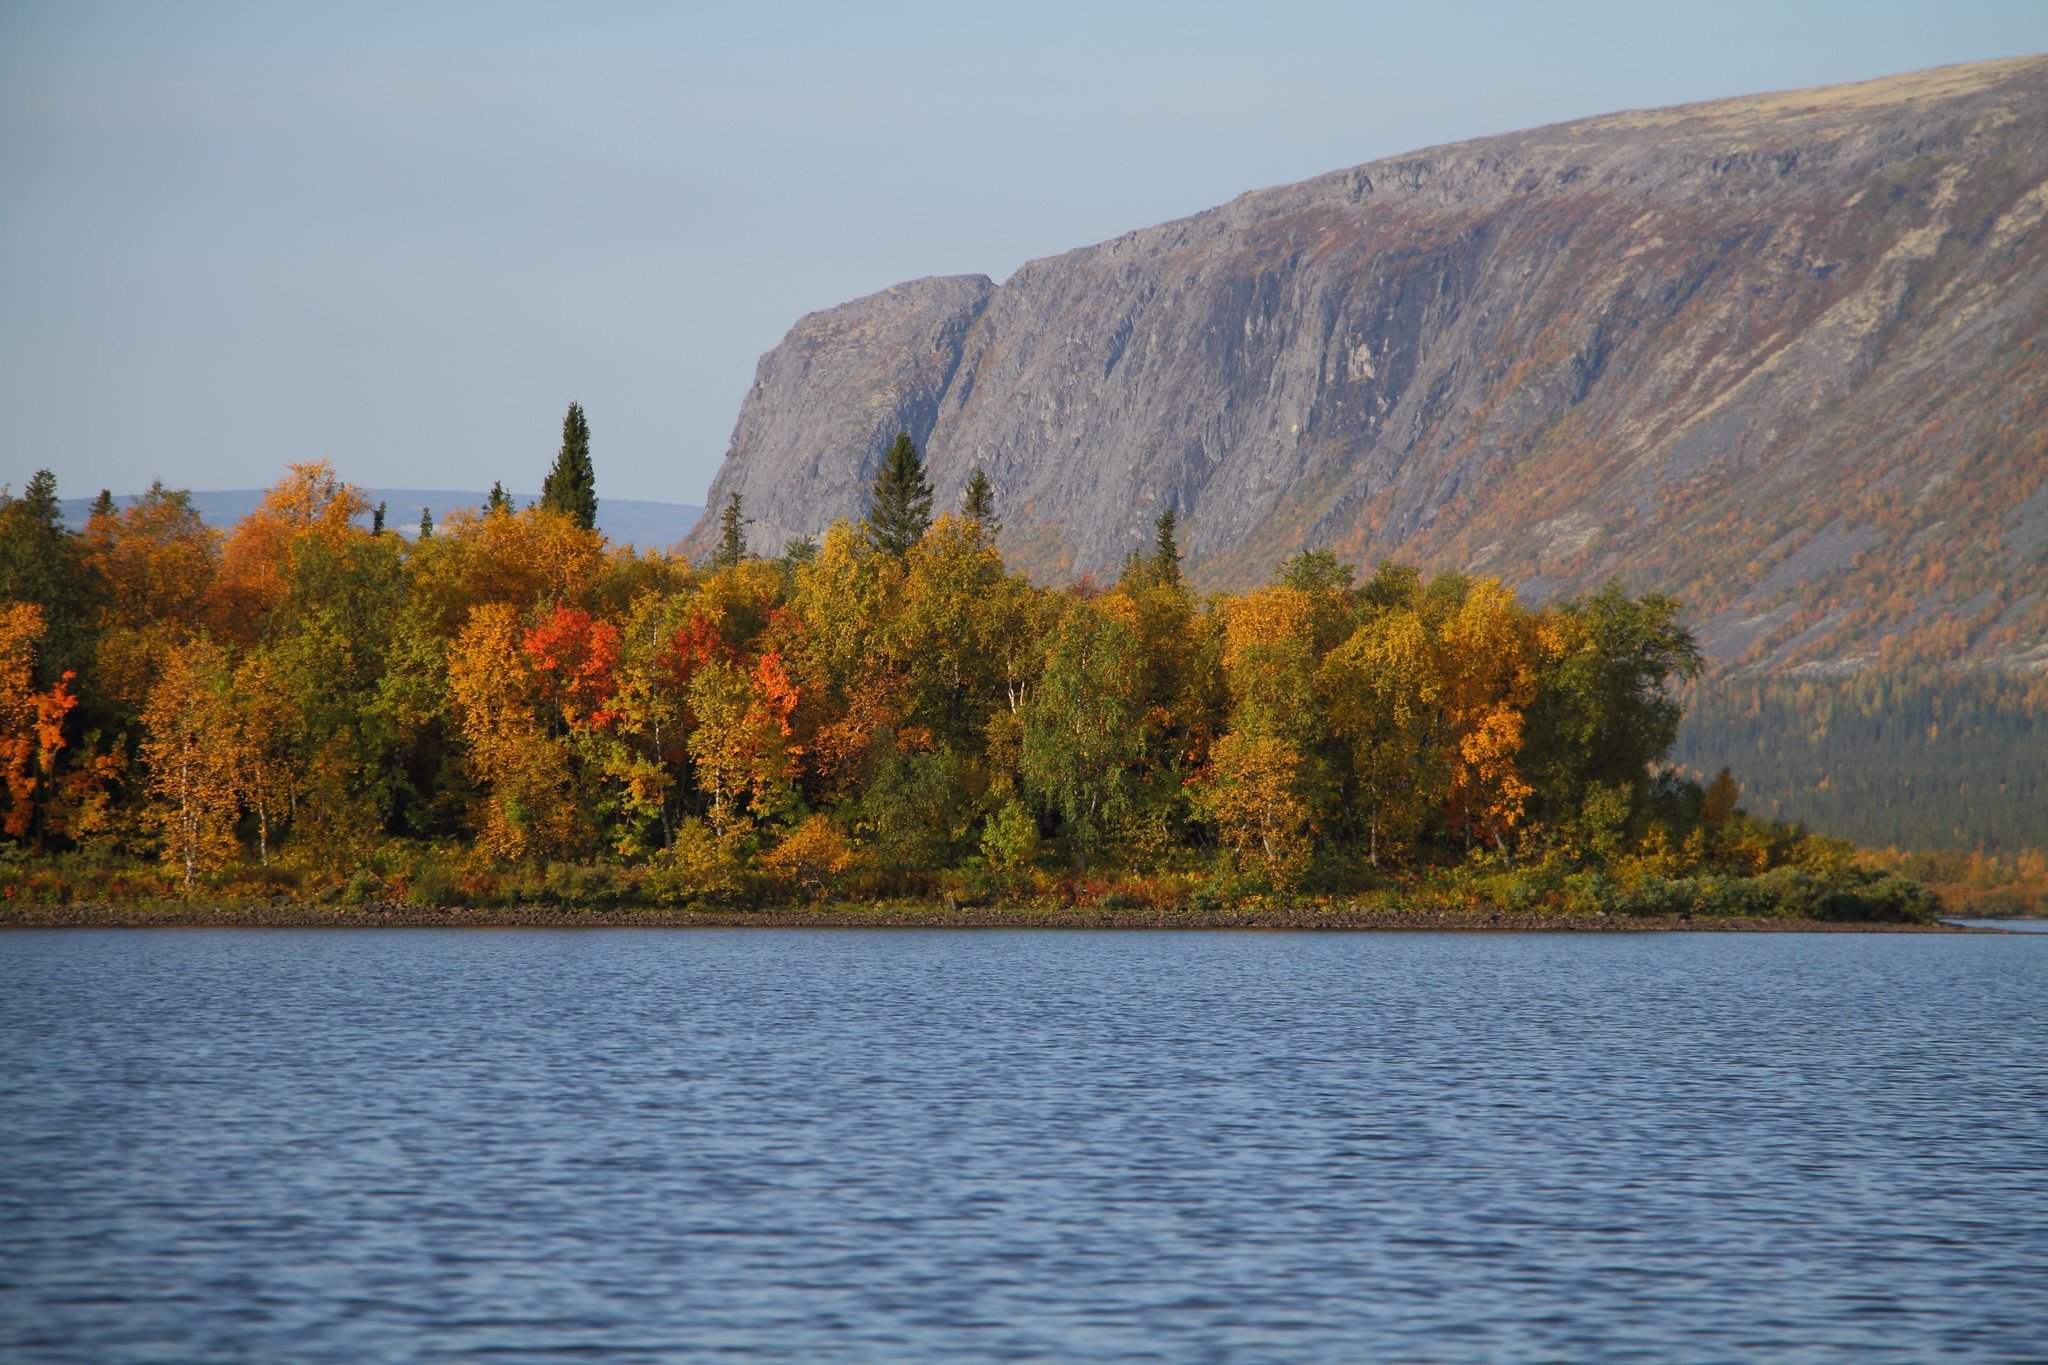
(900, 1145)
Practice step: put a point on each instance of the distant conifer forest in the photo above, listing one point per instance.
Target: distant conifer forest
(507, 709)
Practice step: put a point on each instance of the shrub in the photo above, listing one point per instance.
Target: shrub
(1009, 843)
(811, 856)
(697, 867)
(580, 884)
(432, 886)
(1884, 898)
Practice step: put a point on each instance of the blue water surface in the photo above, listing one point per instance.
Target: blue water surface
(626, 1145)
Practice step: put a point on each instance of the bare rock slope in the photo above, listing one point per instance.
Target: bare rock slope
(1783, 355)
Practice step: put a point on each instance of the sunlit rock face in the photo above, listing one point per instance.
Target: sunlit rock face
(1782, 355)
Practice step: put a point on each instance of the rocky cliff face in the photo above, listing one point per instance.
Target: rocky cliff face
(1783, 355)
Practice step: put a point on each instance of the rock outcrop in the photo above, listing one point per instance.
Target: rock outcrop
(1783, 355)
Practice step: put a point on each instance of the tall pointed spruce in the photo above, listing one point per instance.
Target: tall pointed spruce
(426, 523)
(732, 535)
(901, 507)
(498, 501)
(978, 503)
(1166, 556)
(571, 486)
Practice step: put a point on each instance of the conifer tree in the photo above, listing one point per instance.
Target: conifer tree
(39, 563)
(1166, 556)
(103, 505)
(978, 503)
(900, 509)
(571, 486)
(377, 521)
(732, 535)
(799, 552)
(498, 502)
(426, 523)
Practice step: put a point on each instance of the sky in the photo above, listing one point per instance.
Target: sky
(404, 237)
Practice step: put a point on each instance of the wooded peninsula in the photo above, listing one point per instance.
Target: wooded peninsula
(508, 711)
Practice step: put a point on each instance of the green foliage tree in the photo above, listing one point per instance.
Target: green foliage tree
(497, 501)
(914, 808)
(900, 505)
(1083, 730)
(426, 523)
(571, 486)
(1602, 713)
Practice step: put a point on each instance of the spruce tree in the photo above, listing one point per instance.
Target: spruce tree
(377, 521)
(799, 552)
(1166, 555)
(426, 523)
(499, 502)
(900, 509)
(40, 562)
(978, 503)
(732, 535)
(103, 505)
(571, 486)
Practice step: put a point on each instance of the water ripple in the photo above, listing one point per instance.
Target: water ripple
(641, 1146)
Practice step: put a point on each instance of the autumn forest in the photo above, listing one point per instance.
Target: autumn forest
(505, 708)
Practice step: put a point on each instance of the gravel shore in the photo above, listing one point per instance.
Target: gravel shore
(901, 915)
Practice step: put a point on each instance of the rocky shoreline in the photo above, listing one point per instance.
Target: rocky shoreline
(908, 915)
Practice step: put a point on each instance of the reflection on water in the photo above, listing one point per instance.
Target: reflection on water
(900, 1145)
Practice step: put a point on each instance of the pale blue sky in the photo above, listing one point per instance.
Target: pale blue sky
(405, 236)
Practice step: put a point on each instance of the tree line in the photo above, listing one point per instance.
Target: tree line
(884, 708)
(1914, 757)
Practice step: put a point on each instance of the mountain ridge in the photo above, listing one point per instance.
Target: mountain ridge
(1765, 353)
(626, 520)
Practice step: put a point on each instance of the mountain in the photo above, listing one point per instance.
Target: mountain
(1782, 355)
(622, 519)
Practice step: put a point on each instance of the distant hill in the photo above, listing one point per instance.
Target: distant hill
(650, 525)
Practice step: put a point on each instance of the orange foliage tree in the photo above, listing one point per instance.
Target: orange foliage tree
(31, 724)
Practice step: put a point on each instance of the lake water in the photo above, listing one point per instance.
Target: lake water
(625, 1145)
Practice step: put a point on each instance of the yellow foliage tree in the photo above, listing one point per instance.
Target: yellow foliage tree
(266, 725)
(1269, 661)
(740, 744)
(1486, 668)
(310, 501)
(812, 854)
(1253, 794)
(1379, 696)
(154, 562)
(190, 758)
(942, 631)
(530, 809)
